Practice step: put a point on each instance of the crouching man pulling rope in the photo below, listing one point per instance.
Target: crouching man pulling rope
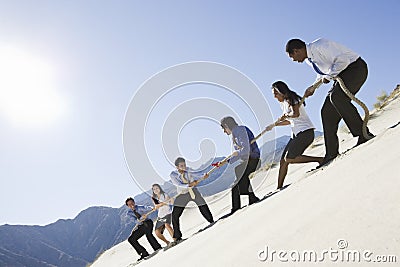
(186, 181)
(349, 72)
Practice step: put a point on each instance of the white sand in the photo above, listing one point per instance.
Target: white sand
(356, 198)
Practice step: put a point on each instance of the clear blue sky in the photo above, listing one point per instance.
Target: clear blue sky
(61, 147)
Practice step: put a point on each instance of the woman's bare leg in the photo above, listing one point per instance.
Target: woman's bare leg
(161, 236)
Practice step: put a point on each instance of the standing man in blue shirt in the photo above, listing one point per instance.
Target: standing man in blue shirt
(330, 59)
(250, 156)
(185, 180)
(144, 228)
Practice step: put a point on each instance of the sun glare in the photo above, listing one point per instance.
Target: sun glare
(28, 96)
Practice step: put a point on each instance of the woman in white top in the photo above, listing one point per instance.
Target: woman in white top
(161, 202)
(302, 129)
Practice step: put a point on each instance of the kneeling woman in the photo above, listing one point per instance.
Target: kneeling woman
(161, 202)
(294, 115)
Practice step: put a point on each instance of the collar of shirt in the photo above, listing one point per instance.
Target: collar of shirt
(189, 175)
(318, 57)
(140, 209)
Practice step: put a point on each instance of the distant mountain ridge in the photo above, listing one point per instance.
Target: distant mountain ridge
(77, 242)
(72, 242)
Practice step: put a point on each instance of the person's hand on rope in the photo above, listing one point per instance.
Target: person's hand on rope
(270, 127)
(283, 117)
(218, 163)
(309, 91)
(194, 183)
(157, 206)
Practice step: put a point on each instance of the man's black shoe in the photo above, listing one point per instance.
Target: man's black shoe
(362, 139)
(254, 200)
(326, 161)
(143, 256)
(175, 242)
(233, 211)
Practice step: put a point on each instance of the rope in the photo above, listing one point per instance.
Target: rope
(207, 175)
(143, 218)
(314, 86)
(352, 97)
(359, 102)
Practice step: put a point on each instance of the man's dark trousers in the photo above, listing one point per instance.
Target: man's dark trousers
(338, 106)
(179, 205)
(144, 229)
(243, 186)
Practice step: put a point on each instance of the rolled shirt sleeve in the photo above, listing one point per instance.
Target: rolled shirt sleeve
(176, 181)
(242, 137)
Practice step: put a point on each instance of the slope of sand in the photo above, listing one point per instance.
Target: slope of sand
(348, 211)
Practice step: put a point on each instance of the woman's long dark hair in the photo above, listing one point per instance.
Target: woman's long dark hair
(291, 97)
(154, 197)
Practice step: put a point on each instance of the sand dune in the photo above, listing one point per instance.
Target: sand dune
(347, 212)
